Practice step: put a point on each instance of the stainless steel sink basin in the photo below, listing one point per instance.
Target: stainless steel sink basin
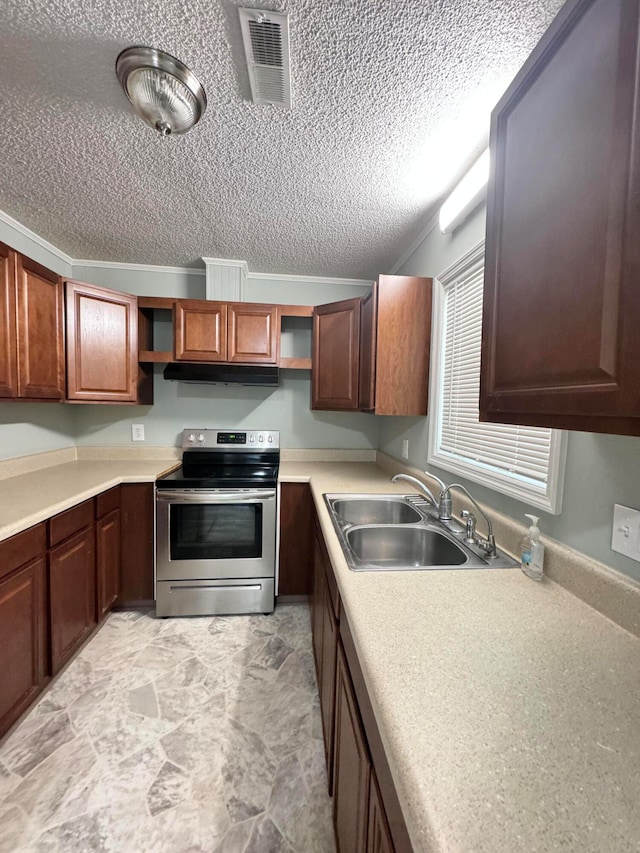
(382, 510)
(401, 533)
(404, 547)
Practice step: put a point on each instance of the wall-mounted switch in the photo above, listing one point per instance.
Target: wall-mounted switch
(626, 531)
(405, 448)
(137, 432)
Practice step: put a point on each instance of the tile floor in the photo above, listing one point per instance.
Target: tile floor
(179, 735)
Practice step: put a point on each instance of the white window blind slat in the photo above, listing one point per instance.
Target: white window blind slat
(522, 452)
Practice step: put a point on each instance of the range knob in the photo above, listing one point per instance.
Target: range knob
(201, 437)
(260, 438)
(192, 437)
(270, 439)
(252, 438)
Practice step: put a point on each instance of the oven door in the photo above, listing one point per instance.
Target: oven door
(215, 534)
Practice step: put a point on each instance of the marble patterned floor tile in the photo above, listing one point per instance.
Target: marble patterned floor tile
(194, 735)
(21, 754)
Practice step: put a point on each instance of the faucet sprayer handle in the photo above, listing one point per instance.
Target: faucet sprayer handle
(442, 485)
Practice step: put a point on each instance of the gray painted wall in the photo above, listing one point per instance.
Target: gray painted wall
(601, 470)
(146, 282)
(34, 427)
(178, 405)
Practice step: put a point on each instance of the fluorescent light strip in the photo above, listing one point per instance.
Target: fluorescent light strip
(467, 194)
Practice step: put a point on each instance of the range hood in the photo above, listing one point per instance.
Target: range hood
(222, 374)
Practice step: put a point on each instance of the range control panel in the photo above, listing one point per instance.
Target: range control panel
(225, 439)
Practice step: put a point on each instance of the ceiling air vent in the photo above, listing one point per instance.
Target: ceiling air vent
(266, 44)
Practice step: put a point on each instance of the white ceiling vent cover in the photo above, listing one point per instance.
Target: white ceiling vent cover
(266, 44)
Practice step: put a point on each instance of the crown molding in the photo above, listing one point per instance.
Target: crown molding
(221, 262)
(31, 235)
(138, 267)
(415, 244)
(309, 279)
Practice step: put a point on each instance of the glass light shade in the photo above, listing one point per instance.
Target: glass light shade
(163, 91)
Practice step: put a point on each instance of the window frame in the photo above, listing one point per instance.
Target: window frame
(547, 497)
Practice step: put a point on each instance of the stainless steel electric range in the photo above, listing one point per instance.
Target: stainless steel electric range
(217, 525)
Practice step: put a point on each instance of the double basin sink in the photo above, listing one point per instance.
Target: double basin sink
(402, 532)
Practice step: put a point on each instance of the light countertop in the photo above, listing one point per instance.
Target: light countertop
(509, 710)
(32, 497)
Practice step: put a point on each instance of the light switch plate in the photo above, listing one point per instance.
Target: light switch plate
(137, 432)
(626, 532)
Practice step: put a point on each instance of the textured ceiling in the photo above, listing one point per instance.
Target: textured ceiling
(338, 185)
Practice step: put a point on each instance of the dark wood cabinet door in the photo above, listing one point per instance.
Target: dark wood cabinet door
(368, 335)
(318, 594)
(8, 330)
(336, 356)
(40, 332)
(378, 836)
(102, 344)
(137, 510)
(561, 301)
(252, 332)
(352, 768)
(402, 342)
(200, 330)
(328, 682)
(296, 539)
(107, 561)
(23, 622)
(72, 571)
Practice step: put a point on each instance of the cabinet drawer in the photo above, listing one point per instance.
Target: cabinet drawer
(107, 501)
(22, 548)
(67, 523)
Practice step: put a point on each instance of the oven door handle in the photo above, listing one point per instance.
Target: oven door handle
(214, 497)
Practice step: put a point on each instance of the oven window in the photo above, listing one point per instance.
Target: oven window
(215, 531)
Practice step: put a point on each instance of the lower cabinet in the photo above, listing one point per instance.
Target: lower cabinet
(59, 579)
(378, 834)
(137, 511)
(352, 768)
(107, 550)
(366, 811)
(23, 625)
(107, 561)
(325, 608)
(72, 575)
(295, 559)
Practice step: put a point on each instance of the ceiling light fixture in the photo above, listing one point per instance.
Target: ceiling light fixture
(467, 194)
(163, 91)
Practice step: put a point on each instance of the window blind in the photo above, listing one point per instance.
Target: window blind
(517, 451)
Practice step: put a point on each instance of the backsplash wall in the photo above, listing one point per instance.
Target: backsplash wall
(601, 470)
(178, 405)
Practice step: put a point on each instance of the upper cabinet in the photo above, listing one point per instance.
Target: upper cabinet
(102, 346)
(562, 299)
(200, 330)
(336, 355)
(31, 331)
(230, 332)
(372, 354)
(395, 344)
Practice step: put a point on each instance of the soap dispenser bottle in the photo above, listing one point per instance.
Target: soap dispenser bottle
(532, 551)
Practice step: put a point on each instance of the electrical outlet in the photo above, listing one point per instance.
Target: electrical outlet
(137, 432)
(626, 532)
(405, 448)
